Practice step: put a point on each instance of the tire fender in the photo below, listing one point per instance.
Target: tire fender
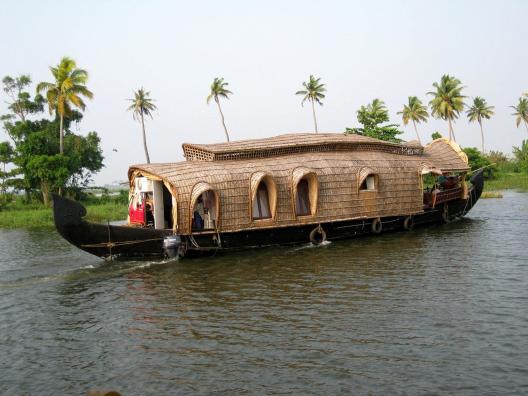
(408, 223)
(445, 213)
(377, 226)
(317, 235)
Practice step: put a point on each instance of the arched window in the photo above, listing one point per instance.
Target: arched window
(305, 191)
(261, 206)
(263, 193)
(205, 205)
(368, 180)
(302, 203)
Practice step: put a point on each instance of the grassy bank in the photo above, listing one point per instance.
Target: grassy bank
(39, 216)
(507, 181)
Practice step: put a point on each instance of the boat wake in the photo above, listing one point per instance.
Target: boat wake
(311, 245)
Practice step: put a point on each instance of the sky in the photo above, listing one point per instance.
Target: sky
(361, 50)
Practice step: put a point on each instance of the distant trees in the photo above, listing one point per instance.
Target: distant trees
(219, 90)
(478, 111)
(21, 104)
(314, 93)
(142, 105)
(37, 164)
(65, 91)
(414, 111)
(371, 117)
(448, 101)
(521, 112)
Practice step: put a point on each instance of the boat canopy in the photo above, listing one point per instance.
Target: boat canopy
(333, 165)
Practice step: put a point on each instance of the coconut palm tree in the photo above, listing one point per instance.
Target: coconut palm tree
(480, 110)
(521, 112)
(448, 101)
(66, 91)
(313, 91)
(142, 105)
(218, 90)
(414, 111)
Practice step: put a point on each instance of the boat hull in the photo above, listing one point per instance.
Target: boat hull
(113, 241)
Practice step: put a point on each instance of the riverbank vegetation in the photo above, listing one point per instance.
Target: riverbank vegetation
(18, 213)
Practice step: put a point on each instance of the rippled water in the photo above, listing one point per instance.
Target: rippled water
(433, 311)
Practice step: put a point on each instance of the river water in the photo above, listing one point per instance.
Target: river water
(433, 311)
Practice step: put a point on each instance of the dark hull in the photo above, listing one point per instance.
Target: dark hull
(105, 240)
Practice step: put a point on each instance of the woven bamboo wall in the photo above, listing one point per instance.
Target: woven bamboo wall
(338, 174)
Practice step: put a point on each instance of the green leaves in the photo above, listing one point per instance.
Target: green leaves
(479, 110)
(67, 89)
(448, 100)
(314, 91)
(521, 112)
(371, 116)
(218, 89)
(414, 110)
(142, 104)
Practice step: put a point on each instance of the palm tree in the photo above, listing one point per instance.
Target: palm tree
(478, 111)
(142, 106)
(448, 101)
(65, 91)
(218, 90)
(414, 111)
(313, 92)
(521, 112)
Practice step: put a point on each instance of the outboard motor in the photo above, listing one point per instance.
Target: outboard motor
(171, 244)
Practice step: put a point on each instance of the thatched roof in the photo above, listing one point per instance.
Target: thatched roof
(293, 143)
(446, 155)
(337, 174)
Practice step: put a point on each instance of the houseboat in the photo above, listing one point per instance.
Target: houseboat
(289, 189)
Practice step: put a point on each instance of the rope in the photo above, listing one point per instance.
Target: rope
(110, 244)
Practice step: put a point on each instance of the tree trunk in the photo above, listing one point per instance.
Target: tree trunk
(526, 125)
(451, 131)
(481, 136)
(61, 135)
(44, 188)
(144, 138)
(61, 146)
(315, 120)
(222, 115)
(416, 130)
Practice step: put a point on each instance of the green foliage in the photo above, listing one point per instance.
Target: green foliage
(218, 90)
(65, 92)
(436, 135)
(38, 166)
(21, 103)
(477, 160)
(142, 104)
(414, 111)
(521, 112)
(479, 110)
(19, 214)
(448, 101)
(508, 181)
(313, 91)
(521, 156)
(371, 116)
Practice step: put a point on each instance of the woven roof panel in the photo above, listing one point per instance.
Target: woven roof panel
(294, 143)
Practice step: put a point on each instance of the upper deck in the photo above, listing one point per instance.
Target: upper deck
(294, 143)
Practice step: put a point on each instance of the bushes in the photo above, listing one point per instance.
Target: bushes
(477, 160)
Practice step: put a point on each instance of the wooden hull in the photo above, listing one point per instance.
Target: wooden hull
(108, 241)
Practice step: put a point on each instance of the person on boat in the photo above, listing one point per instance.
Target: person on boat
(198, 215)
(149, 210)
